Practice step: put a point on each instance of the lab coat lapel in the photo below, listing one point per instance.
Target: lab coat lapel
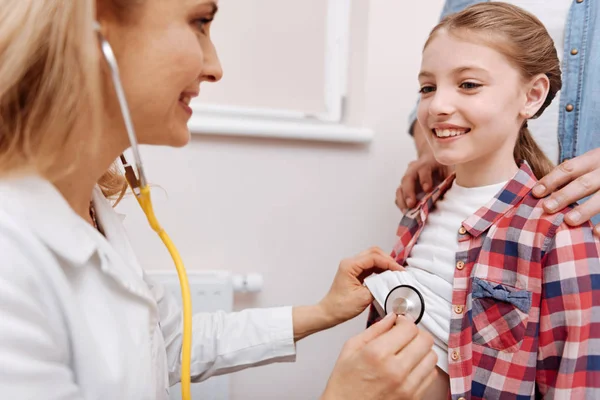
(120, 263)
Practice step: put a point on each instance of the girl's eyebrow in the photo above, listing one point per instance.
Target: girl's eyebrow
(468, 68)
(425, 74)
(455, 71)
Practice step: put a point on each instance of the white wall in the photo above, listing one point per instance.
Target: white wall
(291, 210)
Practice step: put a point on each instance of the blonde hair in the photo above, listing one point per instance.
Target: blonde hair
(50, 75)
(524, 40)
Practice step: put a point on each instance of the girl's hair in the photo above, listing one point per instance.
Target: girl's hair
(50, 76)
(524, 40)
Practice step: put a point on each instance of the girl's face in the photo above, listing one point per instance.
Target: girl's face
(165, 52)
(472, 103)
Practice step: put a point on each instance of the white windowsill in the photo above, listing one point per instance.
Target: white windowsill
(228, 125)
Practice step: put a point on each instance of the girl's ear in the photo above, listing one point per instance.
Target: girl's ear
(537, 91)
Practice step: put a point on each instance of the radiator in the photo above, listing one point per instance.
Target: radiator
(211, 291)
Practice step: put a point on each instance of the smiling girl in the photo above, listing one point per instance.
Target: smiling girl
(512, 295)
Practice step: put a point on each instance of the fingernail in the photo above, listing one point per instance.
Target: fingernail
(410, 202)
(551, 204)
(426, 187)
(539, 190)
(574, 216)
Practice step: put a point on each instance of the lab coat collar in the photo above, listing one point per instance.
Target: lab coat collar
(117, 255)
(35, 202)
(114, 231)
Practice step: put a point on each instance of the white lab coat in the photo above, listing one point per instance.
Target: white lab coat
(80, 320)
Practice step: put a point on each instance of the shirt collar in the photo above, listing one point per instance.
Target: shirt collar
(36, 203)
(507, 198)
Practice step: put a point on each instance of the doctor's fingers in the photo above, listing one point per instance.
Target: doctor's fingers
(411, 355)
(373, 250)
(386, 346)
(421, 377)
(362, 265)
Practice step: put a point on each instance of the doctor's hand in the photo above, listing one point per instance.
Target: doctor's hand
(384, 362)
(348, 297)
(581, 175)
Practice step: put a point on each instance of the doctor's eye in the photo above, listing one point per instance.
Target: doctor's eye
(201, 24)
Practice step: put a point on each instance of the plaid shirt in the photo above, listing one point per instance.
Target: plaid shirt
(525, 302)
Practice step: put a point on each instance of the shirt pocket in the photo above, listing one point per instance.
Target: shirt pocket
(499, 314)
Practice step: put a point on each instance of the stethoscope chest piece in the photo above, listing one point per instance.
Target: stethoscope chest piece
(405, 300)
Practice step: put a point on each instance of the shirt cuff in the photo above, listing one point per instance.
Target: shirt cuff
(281, 330)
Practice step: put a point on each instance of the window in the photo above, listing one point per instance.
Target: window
(286, 69)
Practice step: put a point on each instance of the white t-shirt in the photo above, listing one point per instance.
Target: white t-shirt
(430, 266)
(553, 14)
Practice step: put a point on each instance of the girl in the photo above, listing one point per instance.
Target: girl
(511, 293)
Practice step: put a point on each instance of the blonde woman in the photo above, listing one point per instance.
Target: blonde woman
(78, 318)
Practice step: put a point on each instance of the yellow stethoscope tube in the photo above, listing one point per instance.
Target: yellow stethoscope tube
(140, 188)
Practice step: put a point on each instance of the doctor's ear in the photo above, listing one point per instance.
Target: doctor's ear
(99, 28)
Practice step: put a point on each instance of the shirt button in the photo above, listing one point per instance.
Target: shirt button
(460, 265)
(574, 52)
(462, 230)
(569, 107)
(455, 355)
(458, 309)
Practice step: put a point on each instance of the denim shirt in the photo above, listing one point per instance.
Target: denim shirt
(579, 111)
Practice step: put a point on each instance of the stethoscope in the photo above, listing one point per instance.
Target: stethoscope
(405, 300)
(139, 185)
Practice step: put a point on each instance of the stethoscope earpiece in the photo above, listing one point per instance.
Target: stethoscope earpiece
(405, 300)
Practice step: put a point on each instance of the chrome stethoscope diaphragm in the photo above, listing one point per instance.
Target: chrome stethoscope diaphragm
(405, 300)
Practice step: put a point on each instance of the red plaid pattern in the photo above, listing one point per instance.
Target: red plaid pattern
(529, 287)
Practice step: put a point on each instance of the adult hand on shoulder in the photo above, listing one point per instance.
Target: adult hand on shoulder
(422, 175)
(580, 177)
(419, 178)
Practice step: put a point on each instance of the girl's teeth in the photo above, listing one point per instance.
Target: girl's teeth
(449, 132)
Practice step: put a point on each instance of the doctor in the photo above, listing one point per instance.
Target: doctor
(78, 317)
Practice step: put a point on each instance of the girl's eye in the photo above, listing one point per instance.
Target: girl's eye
(470, 85)
(426, 89)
